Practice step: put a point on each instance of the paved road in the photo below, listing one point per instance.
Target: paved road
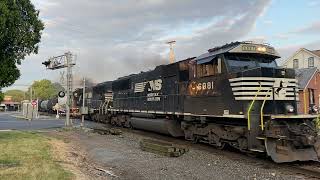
(7, 121)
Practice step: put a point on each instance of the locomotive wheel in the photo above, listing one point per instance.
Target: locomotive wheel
(113, 123)
(195, 139)
(222, 146)
(95, 119)
(130, 126)
(253, 154)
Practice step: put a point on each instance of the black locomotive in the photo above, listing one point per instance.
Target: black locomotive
(234, 94)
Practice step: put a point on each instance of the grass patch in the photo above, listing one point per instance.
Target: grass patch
(61, 138)
(28, 155)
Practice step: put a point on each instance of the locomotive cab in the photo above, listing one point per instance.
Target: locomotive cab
(242, 86)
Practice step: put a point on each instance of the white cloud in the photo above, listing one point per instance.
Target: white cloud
(313, 28)
(115, 38)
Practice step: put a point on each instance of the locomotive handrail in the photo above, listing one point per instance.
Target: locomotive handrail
(105, 105)
(262, 107)
(102, 107)
(251, 105)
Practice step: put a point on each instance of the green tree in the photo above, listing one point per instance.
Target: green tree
(1, 96)
(20, 35)
(58, 87)
(44, 89)
(17, 95)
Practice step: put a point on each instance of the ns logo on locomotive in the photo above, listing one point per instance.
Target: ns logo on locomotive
(232, 95)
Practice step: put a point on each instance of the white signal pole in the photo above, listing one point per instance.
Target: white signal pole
(69, 87)
(83, 101)
(30, 93)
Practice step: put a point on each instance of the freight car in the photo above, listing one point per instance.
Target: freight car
(47, 105)
(232, 95)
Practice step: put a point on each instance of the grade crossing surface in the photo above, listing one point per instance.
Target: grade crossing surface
(9, 121)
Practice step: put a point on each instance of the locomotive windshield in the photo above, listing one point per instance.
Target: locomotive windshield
(240, 62)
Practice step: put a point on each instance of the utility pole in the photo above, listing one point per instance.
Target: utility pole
(83, 101)
(171, 54)
(30, 93)
(60, 62)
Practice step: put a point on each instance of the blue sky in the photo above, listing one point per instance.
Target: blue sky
(116, 38)
(283, 17)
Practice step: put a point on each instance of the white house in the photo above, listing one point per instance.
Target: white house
(303, 58)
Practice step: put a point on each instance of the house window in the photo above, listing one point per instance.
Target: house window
(311, 97)
(295, 63)
(311, 62)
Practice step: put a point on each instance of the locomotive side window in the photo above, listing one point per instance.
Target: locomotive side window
(208, 69)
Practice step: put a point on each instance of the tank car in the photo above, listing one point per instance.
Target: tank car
(233, 95)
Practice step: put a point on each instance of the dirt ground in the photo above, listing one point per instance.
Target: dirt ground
(74, 158)
(63, 154)
(93, 156)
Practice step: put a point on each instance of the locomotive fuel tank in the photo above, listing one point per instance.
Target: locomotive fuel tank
(163, 126)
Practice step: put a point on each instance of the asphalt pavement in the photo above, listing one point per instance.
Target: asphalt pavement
(8, 121)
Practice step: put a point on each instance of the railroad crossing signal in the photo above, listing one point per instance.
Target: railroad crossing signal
(62, 98)
(60, 62)
(61, 94)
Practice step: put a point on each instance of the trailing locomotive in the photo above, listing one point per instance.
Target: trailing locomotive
(234, 94)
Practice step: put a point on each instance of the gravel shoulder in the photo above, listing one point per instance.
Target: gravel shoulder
(120, 157)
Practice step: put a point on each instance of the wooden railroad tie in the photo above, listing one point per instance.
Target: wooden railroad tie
(104, 131)
(162, 148)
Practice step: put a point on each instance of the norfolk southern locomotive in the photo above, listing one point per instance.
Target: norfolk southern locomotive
(232, 95)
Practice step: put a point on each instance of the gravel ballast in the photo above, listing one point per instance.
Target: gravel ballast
(122, 155)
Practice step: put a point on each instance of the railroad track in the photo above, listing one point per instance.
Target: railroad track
(310, 170)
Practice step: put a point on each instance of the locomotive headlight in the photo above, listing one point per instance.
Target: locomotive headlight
(289, 108)
(262, 49)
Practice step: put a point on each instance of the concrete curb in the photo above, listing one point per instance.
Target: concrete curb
(6, 130)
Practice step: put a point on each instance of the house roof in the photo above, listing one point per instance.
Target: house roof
(304, 76)
(316, 52)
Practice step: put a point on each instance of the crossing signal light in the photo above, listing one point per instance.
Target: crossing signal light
(61, 94)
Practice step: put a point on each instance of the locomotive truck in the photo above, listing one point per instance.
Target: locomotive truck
(232, 95)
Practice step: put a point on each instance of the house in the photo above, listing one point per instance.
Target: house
(309, 90)
(9, 105)
(303, 58)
